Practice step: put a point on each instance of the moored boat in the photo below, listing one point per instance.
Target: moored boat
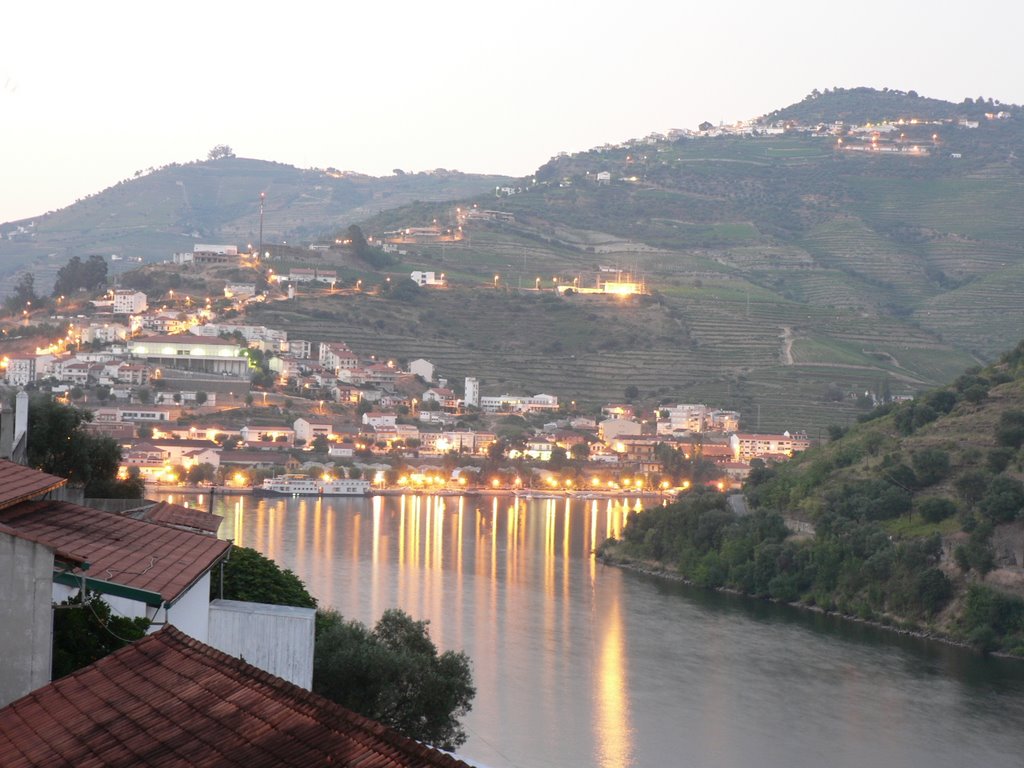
(300, 485)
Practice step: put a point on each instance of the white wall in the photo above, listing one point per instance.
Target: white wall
(191, 614)
(276, 638)
(26, 616)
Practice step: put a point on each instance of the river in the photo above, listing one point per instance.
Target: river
(579, 664)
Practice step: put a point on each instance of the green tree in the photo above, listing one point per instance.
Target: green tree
(580, 451)
(77, 275)
(85, 630)
(936, 509)
(59, 445)
(201, 473)
(1010, 432)
(1003, 500)
(201, 398)
(394, 674)
(249, 576)
(930, 465)
(220, 151)
(24, 293)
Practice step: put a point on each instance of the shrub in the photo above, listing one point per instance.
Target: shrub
(1010, 432)
(936, 509)
(930, 465)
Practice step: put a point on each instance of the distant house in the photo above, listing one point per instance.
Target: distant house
(128, 302)
(445, 398)
(427, 279)
(613, 429)
(604, 178)
(307, 430)
(377, 419)
(422, 368)
(747, 446)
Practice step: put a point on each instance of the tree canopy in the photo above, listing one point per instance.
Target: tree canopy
(251, 577)
(394, 674)
(24, 293)
(58, 444)
(85, 630)
(76, 275)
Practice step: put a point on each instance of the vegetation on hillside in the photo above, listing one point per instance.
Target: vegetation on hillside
(914, 511)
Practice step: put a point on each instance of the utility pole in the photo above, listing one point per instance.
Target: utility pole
(262, 197)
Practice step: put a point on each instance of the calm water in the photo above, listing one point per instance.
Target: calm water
(582, 665)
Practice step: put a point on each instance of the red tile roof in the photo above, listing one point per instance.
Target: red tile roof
(154, 558)
(169, 700)
(66, 557)
(177, 515)
(18, 483)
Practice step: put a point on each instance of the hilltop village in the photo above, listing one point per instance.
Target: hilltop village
(195, 395)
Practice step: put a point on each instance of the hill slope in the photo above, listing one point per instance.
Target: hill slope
(801, 273)
(918, 513)
(169, 209)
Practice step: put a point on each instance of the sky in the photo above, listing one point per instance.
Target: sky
(90, 93)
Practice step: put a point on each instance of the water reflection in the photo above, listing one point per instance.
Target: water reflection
(612, 732)
(577, 664)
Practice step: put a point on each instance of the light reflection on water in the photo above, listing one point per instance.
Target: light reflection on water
(577, 664)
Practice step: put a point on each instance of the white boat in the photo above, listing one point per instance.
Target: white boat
(300, 485)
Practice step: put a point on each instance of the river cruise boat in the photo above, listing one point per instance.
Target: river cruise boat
(300, 485)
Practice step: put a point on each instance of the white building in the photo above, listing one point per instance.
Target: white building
(20, 370)
(128, 302)
(472, 397)
(104, 333)
(427, 278)
(518, 404)
(422, 368)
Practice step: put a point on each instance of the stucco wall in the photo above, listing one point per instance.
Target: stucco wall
(26, 616)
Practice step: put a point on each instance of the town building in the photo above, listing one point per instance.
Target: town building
(747, 446)
(422, 368)
(518, 404)
(472, 396)
(193, 353)
(428, 279)
(128, 302)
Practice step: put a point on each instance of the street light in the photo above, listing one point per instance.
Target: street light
(495, 281)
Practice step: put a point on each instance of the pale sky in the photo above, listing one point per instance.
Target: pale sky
(92, 92)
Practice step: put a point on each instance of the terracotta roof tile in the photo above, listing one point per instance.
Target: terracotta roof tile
(175, 514)
(168, 700)
(18, 483)
(133, 553)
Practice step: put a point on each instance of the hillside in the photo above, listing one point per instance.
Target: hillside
(799, 275)
(162, 211)
(800, 266)
(918, 513)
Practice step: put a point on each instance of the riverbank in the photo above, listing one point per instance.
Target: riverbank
(659, 570)
(527, 494)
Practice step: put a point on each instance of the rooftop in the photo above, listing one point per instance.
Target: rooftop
(182, 517)
(18, 483)
(169, 700)
(157, 562)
